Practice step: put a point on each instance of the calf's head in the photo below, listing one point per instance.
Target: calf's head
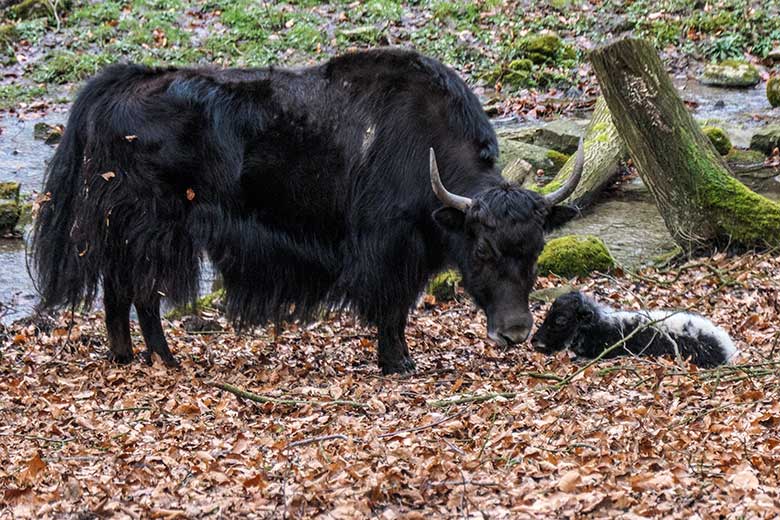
(500, 233)
(560, 326)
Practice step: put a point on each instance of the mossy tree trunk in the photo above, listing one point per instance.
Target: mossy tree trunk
(604, 150)
(702, 204)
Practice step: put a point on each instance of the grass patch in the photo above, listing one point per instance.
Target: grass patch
(68, 67)
(12, 95)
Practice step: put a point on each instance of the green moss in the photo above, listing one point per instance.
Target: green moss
(28, 9)
(540, 48)
(744, 157)
(12, 95)
(25, 216)
(69, 67)
(516, 79)
(731, 73)
(547, 188)
(368, 34)
(210, 301)
(9, 216)
(575, 255)
(558, 158)
(10, 190)
(444, 285)
(719, 138)
(745, 217)
(521, 64)
(773, 91)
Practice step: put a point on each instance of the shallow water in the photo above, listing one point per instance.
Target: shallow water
(738, 111)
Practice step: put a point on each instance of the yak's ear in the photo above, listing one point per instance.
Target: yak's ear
(450, 218)
(559, 215)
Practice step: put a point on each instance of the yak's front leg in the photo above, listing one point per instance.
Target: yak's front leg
(117, 307)
(394, 357)
(151, 328)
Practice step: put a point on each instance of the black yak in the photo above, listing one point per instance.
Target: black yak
(306, 188)
(578, 323)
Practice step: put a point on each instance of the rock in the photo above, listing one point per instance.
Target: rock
(50, 134)
(575, 255)
(718, 138)
(773, 91)
(214, 301)
(730, 73)
(535, 155)
(524, 134)
(10, 209)
(200, 324)
(558, 158)
(515, 75)
(766, 139)
(10, 190)
(737, 157)
(444, 286)
(518, 171)
(540, 48)
(562, 135)
(619, 24)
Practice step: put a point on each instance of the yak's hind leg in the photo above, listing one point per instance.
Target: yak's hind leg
(394, 357)
(151, 328)
(117, 308)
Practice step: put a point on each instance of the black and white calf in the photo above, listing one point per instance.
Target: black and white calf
(577, 322)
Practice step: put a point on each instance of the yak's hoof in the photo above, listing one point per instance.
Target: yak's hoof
(166, 358)
(405, 365)
(121, 359)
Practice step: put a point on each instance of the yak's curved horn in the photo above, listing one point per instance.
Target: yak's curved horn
(448, 199)
(568, 187)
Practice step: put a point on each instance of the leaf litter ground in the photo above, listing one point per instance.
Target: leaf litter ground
(477, 432)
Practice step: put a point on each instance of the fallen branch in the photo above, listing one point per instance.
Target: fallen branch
(284, 401)
(441, 403)
(420, 428)
(321, 438)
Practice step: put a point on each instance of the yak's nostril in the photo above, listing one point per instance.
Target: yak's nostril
(517, 334)
(497, 337)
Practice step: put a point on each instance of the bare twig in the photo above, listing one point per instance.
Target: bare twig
(420, 428)
(284, 401)
(440, 403)
(321, 438)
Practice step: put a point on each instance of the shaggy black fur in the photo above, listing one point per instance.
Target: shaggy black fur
(306, 188)
(587, 328)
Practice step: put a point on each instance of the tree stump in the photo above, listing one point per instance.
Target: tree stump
(703, 206)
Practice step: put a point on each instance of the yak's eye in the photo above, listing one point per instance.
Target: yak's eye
(483, 252)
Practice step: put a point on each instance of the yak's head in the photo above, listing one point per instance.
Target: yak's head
(501, 232)
(561, 324)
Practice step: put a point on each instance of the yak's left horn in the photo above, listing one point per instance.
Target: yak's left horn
(568, 187)
(448, 199)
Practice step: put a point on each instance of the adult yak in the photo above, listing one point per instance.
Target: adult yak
(306, 188)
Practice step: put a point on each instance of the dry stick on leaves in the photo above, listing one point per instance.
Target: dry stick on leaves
(321, 438)
(276, 400)
(311, 440)
(562, 382)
